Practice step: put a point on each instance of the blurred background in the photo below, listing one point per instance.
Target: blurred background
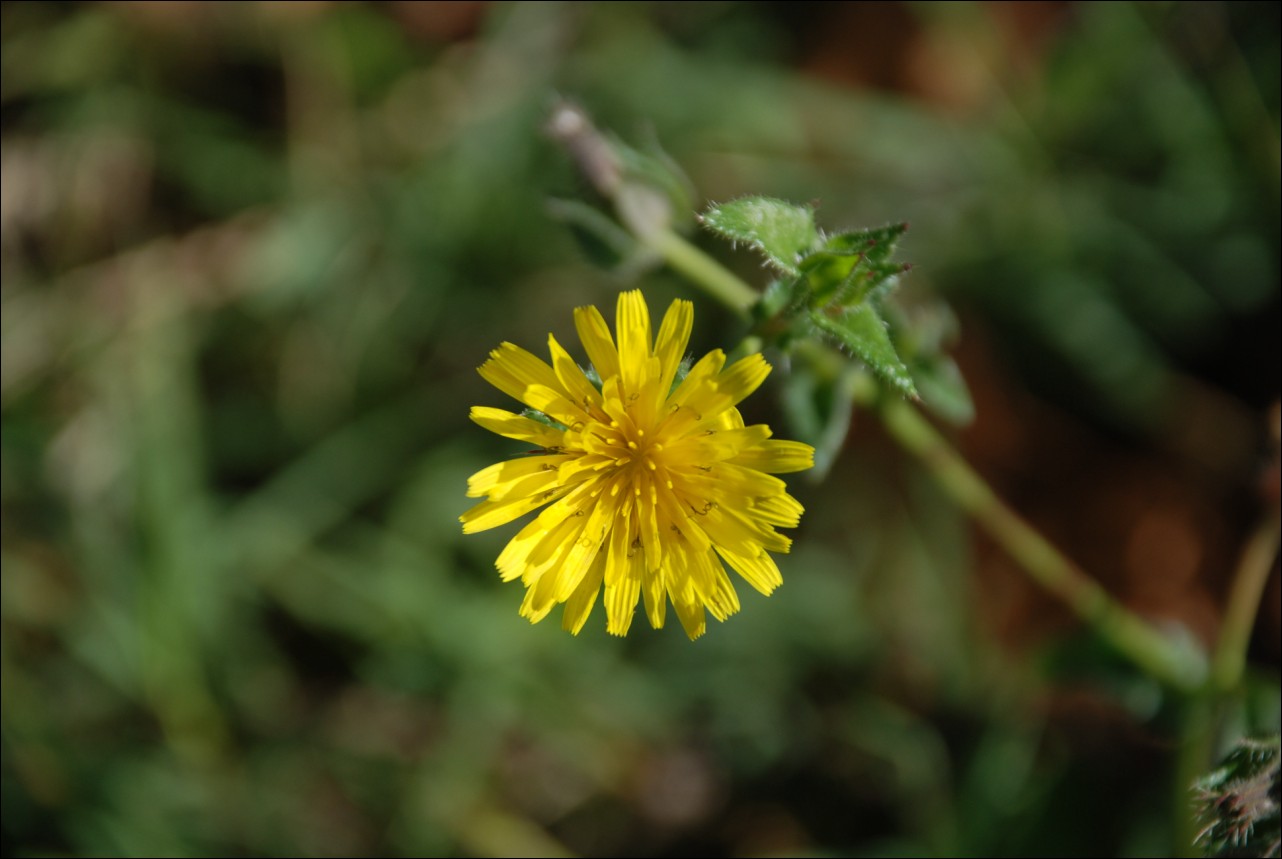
(253, 254)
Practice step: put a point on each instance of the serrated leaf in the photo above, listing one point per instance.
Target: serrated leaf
(881, 280)
(783, 232)
(853, 267)
(861, 331)
(875, 245)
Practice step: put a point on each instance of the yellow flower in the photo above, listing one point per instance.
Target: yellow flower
(650, 485)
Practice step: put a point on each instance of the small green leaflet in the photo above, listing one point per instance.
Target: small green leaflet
(943, 390)
(861, 331)
(783, 232)
(536, 415)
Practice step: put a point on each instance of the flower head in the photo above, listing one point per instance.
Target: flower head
(651, 481)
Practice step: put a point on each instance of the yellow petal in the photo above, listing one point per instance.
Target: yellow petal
(743, 377)
(727, 531)
(527, 378)
(583, 552)
(654, 590)
(632, 322)
(624, 570)
(713, 445)
(777, 457)
(712, 584)
(512, 561)
(670, 346)
(491, 514)
(735, 481)
(595, 336)
(572, 379)
(782, 510)
(689, 610)
(760, 570)
(510, 478)
(516, 426)
(704, 403)
(696, 383)
(579, 605)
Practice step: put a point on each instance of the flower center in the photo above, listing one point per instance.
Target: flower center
(632, 447)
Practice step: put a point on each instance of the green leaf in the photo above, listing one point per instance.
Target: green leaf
(876, 245)
(783, 232)
(654, 169)
(818, 409)
(861, 331)
(780, 314)
(603, 241)
(922, 328)
(826, 275)
(775, 299)
(854, 266)
(943, 390)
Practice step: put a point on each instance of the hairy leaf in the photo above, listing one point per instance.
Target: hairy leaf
(861, 331)
(783, 232)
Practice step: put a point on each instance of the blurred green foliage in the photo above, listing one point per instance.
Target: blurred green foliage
(252, 255)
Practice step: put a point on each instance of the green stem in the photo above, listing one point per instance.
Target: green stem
(1128, 633)
(642, 208)
(702, 270)
(1244, 602)
(1200, 732)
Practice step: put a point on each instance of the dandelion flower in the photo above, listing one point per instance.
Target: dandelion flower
(651, 481)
